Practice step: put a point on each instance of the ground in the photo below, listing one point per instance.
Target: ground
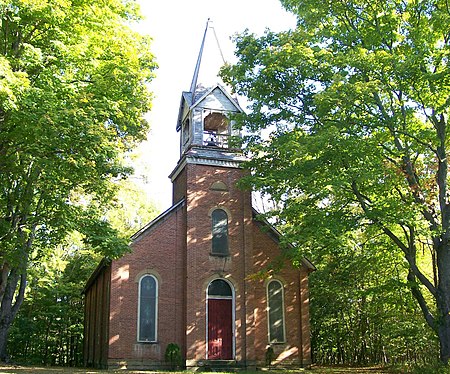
(313, 370)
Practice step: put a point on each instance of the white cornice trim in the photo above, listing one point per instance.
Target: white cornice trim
(198, 160)
(180, 166)
(214, 162)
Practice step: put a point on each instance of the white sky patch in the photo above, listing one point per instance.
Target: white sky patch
(177, 28)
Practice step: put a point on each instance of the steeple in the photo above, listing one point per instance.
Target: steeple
(211, 58)
(204, 117)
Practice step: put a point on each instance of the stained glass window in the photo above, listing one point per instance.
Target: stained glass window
(219, 232)
(148, 303)
(275, 312)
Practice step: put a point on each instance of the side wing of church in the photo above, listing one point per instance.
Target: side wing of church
(193, 276)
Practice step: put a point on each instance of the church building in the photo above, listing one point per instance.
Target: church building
(201, 274)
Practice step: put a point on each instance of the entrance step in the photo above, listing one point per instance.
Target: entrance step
(222, 365)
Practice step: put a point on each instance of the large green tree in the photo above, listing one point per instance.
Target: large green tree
(361, 309)
(355, 104)
(49, 326)
(73, 91)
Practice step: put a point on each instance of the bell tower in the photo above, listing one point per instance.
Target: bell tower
(204, 121)
(218, 216)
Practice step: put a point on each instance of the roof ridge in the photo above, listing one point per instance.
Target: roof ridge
(153, 222)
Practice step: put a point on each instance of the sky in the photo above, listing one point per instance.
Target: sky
(177, 28)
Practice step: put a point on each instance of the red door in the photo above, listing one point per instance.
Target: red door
(220, 330)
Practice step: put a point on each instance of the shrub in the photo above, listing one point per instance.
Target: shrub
(173, 355)
(270, 355)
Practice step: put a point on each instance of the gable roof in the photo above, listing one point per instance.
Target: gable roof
(275, 235)
(162, 217)
(193, 100)
(105, 262)
(201, 95)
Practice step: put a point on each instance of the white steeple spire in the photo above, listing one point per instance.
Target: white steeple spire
(210, 60)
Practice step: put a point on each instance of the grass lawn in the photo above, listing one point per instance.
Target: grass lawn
(314, 370)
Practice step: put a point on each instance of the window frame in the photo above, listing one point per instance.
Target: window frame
(269, 337)
(210, 296)
(226, 252)
(139, 340)
(216, 128)
(186, 132)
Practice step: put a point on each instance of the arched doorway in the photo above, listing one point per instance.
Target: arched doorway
(220, 320)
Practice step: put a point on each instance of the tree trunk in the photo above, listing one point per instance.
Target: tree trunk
(10, 306)
(444, 338)
(3, 338)
(443, 299)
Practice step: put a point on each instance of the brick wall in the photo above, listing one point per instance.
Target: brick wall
(179, 187)
(266, 254)
(202, 268)
(297, 349)
(177, 251)
(158, 251)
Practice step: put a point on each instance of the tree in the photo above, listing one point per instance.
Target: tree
(48, 328)
(132, 209)
(362, 311)
(356, 101)
(72, 97)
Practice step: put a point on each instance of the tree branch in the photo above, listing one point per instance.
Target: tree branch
(408, 250)
(20, 294)
(408, 168)
(442, 171)
(421, 300)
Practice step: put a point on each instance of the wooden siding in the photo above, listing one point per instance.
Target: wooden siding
(96, 321)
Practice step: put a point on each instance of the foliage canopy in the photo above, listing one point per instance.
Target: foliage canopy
(73, 92)
(348, 131)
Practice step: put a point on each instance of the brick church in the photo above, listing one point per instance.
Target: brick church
(198, 274)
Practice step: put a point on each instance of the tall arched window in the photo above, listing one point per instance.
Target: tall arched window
(148, 308)
(219, 232)
(275, 312)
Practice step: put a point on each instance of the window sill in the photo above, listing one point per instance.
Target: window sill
(147, 342)
(219, 255)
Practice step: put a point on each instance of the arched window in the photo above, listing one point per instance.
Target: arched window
(219, 233)
(275, 311)
(147, 309)
(220, 288)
